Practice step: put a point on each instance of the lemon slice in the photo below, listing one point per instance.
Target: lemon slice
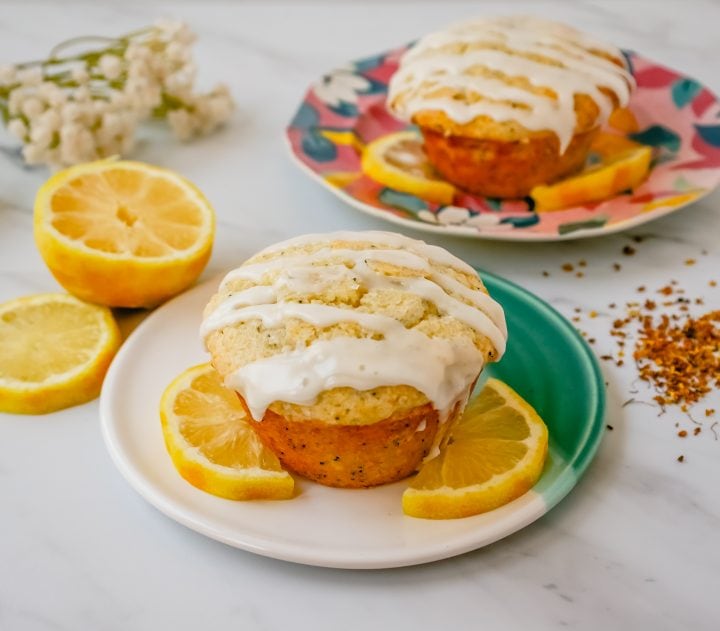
(123, 234)
(492, 455)
(211, 443)
(55, 352)
(399, 162)
(621, 172)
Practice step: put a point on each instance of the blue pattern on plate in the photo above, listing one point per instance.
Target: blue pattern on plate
(343, 108)
(305, 117)
(709, 133)
(658, 136)
(522, 221)
(404, 201)
(318, 147)
(369, 63)
(684, 90)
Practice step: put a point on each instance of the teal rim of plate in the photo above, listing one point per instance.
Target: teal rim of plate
(550, 364)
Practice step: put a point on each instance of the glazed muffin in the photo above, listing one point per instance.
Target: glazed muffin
(505, 104)
(352, 351)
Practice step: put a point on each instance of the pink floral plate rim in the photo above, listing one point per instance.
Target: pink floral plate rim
(345, 109)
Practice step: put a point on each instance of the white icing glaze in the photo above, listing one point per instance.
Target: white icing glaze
(299, 375)
(425, 68)
(390, 240)
(439, 368)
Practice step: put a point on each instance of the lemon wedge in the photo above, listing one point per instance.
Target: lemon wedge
(621, 172)
(212, 444)
(492, 455)
(398, 161)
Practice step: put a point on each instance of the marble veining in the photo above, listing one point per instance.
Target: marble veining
(634, 546)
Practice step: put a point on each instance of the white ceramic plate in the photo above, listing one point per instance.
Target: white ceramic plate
(323, 526)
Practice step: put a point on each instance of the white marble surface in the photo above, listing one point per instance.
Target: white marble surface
(634, 546)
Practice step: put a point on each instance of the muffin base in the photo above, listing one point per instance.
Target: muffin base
(509, 169)
(351, 456)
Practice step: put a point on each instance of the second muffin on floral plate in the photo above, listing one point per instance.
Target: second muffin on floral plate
(507, 103)
(353, 351)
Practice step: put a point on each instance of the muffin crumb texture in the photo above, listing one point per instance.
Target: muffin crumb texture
(360, 273)
(507, 78)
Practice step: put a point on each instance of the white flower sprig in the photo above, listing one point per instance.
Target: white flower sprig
(76, 108)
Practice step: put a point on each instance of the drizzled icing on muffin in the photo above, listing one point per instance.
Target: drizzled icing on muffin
(520, 69)
(281, 284)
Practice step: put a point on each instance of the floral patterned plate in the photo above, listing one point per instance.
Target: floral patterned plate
(673, 113)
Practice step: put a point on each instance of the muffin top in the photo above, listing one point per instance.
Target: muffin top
(352, 327)
(503, 77)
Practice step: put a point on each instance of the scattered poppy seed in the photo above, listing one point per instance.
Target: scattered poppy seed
(617, 267)
(628, 250)
(681, 458)
(546, 273)
(690, 261)
(610, 427)
(579, 274)
(582, 263)
(567, 267)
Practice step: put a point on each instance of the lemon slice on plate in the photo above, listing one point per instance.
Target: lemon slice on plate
(399, 162)
(492, 455)
(123, 234)
(621, 172)
(56, 350)
(211, 443)
(608, 146)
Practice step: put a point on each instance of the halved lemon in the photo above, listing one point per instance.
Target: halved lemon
(123, 234)
(399, 162)
(621, 172)
(492, 455)
(55, 352)
(211, 443)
